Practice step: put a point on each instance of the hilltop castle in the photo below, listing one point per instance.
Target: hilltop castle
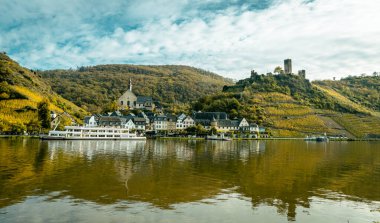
(131, 101)
(288, 68)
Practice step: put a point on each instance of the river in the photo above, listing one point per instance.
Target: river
(189, 181)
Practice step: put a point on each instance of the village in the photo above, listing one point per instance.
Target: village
(146, 117)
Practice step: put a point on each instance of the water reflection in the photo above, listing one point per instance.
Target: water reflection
(288, 175)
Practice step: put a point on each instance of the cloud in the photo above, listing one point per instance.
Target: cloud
(327, 38)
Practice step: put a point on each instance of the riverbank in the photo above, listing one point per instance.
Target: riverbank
(202, 139)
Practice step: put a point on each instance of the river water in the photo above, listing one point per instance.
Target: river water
(189, 181)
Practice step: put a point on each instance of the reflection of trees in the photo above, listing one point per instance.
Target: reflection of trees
(283, 174)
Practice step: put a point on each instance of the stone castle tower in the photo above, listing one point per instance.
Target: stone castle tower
(288, 66)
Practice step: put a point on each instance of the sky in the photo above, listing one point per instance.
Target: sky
(327, 38)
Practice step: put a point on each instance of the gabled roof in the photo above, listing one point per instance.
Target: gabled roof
(143, 99)
(129, 116)
(181, 116)
(142, 115)
(87, 119)
(112, 119)
(160, 118)
(128, 93)
(116, 113)
(210, 115)
(228, 123)
(138, 119)
(150, 114)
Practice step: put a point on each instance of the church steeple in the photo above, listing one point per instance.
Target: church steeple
(130, 84)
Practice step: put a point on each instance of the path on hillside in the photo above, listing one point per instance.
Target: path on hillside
(331, 124)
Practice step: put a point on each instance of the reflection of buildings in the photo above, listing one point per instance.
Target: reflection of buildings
(166, 172)
(291, 176)
(282, 174)
(90, 148)
(251, 148)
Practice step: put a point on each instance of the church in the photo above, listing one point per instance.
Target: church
(131, 101)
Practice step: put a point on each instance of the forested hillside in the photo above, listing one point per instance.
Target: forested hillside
(21, 90)
(94, 87)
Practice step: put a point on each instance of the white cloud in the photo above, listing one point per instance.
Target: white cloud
(327, 38)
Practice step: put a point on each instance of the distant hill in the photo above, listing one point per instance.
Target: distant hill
(94, 87)
(291, 105)
(20, 91)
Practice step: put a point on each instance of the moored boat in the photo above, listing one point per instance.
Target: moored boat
(323, 138)
(95, 133)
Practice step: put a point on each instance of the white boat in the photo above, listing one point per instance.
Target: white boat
(98, 133)
(323, 138)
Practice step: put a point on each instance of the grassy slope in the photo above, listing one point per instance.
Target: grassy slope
(93, 87)
(359, 125)
(20, 92)
(288, 118)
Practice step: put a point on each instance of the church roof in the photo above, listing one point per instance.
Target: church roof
(143, 99)
(210, 115)
(128, 93)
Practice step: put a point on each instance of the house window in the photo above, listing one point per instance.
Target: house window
(122, 102)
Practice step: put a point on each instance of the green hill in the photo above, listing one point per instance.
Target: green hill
(363, 90)
(93, 87)
(20, 91)
(291, 105)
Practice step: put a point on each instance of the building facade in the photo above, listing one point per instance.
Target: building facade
(184, 122)
(90, 121)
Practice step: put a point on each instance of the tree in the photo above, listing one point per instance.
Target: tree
(278, 70)
(33, 126)
(111, 107)
(200, 129)
(44, 114)
(213, 131)
(197, 130)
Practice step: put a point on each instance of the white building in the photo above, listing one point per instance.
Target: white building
(184, 122)
(90, 121)
(160, 123)
(140, 123)
(130, 125)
